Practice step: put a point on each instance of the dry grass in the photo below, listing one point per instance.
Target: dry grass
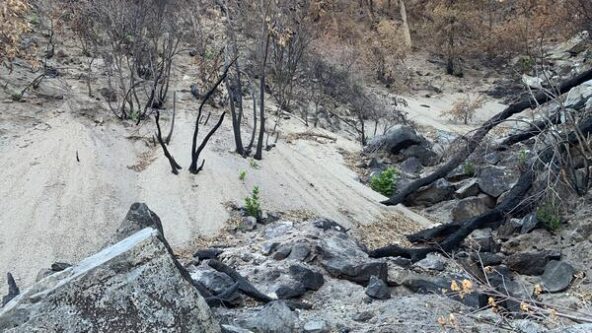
(392, 228)
(143, 161)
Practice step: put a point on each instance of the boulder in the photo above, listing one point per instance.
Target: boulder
(377, 289)
(531, 263)
(495, 180)
(300, 251)
(472, 206)
(248, 223)
(421, 152)
(396, 139)
(316, 326)
(216, 282)
(132, 286)
(411, 166)
(528, 223)
(274, 317)
(138, 217)
(310, 279)
(468, 188)
(342, 258)
(431, 263)
(557, 276)
(482, 240)
(434, 193)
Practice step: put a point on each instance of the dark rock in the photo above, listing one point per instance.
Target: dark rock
(300, 251)
(59, 266)
(328, 224)
(434, 193)
(363, 317)
(377, 289)
(282, 252)
(529, 223)
(411, 165)
(268, 247)
(473, 206)
(13, 290)
(396, 139)
(310, 279)
(137, 218)
(193, 52)
(342, 258)
(195, 91)
(294, 290)
(557, 276)
(531, 263)
(495, 180)
(482, 240)
(274, 317)
(491, 158)
(508, 228)
(205, 254)
(458, 174)
(269, 217)
(431, 263)
(468, 188)
(216, 282)
(424, 154)
(487, 259)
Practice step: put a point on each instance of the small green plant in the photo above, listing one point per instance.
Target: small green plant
(548, 215)
(252, 203)
(253, 164)
(522, 156)
(469, 168)
(385, 182)
(525, 64)
(16, 97)
(242, 175)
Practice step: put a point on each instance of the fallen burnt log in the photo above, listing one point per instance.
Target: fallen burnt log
(512, 203)
(473, 141)
(533, 130)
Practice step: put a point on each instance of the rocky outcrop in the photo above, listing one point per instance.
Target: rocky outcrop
(131, 286)
(403, 141)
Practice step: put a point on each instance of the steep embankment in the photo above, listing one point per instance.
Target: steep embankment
(57, 208)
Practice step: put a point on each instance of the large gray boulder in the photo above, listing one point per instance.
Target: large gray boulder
(132, 286)
(405, 141)
(578, 96)
(495, 180)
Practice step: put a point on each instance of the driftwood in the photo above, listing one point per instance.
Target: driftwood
(473, 141)
(175, 167)
(454, 233)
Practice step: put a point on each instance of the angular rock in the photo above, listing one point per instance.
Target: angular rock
(469, 188)
(268, 247)
(434, 193)
(421, 152)
(528, 223)
(487, 259)
(396, 139)
(328, 224)
(316, 326)
(132, 286)
(473, 206)
(248, 223)
(278, 229)
(411, 166)
(282, 252)
(300, 251)
(137, 218)
(293, 290)
(274, 317)
(531, 263)
(205, 254)
(557, 276)
(310, 279)
(495, 180)
(59, 266)
(482, 240)
(578, 96)
(216, 282)
(342, 258)
(13, 290)
(377, 289)
(431, 263)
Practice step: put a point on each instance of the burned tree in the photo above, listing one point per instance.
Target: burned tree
(175, 167)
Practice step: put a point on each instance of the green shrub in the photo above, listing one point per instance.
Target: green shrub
(548, 215)
(469, 168)
(385, 182)
(253, 164)
(252, 204)
(242, 175)
(526, 64)
(522, 156)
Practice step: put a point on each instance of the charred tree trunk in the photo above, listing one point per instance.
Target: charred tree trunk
(474, 140)
(203, 144)
(170, 135)
(513, 202)
(194, 151)
(259, 152)
(175, 167)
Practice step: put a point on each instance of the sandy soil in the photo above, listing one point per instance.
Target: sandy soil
(55, 208)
